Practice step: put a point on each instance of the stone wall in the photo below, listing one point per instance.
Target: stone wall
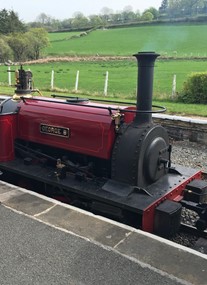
(183, 128)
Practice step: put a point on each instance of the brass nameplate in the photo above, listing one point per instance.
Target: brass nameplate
(55, 131)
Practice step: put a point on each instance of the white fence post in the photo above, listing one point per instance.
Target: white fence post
(174, 87)
(52, 79)
(76, 81)
(106, 83)
(9, 76)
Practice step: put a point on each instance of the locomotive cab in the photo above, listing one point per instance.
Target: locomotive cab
(8, 127)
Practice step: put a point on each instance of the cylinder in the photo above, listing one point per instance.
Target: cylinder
(145, 62)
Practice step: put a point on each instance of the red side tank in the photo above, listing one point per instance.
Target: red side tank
(87, 130)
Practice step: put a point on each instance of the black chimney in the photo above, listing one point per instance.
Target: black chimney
(145, 62)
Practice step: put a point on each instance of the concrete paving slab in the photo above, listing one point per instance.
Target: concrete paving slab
(85, 225)
(44, 241)
(5, 189)
(9, 194)
(35, 253)
(27, 203)
(164, 256)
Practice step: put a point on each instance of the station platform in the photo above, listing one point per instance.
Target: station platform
(46, 242)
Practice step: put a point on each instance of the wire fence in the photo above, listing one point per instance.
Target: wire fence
(107, 78)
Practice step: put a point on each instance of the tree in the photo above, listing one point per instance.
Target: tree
(5, 51)
(138, 15)
(66, 24)
(46, 22)
(38, 40)
(173, 8)
(116, 18)
(128, 15)
(80, 21)
(153, 11)
(106, 15)
(95, 21)
(28, 45)
(164, 6)
(19, 45)
(44, 19)
(180, 8)
(147, 16)
(10, 23)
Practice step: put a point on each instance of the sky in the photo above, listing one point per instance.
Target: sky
(29, 10)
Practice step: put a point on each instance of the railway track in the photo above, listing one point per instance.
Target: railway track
(193, 231)
(189, 235)
(192, 238)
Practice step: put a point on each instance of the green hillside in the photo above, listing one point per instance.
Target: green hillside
(180, 40)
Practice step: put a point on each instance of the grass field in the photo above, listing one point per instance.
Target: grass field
(122, 76)
(122, 80)
(172, 40)
(179, 41)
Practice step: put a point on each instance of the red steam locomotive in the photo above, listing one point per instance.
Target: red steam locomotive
(106, 157)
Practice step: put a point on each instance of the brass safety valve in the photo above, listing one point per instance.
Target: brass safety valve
(117, 119)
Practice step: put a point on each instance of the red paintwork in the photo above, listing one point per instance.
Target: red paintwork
(8, 134)
(175, 195)
(129, 116)
(92, 131)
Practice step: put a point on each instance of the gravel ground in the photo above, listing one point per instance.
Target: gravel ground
(189, 154)
(192, 155)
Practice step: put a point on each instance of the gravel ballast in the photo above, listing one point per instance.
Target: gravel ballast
(189, 154)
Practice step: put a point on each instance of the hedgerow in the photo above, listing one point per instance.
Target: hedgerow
(195, 89)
